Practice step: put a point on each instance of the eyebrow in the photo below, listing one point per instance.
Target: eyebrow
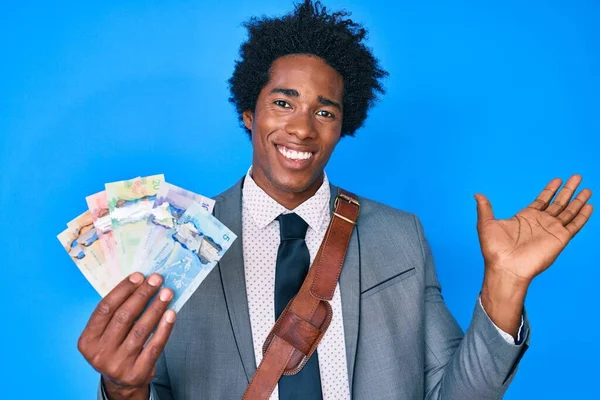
(294, 93)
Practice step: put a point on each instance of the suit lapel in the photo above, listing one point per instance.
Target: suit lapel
(228, 209)
(350, 293)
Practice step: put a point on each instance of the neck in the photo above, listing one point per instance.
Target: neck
(289, 199)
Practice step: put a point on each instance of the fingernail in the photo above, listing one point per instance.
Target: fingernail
(165, 295)
(136, 278)
(170, 316)
(154, 280)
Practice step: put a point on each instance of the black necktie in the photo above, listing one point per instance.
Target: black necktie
(293, 260)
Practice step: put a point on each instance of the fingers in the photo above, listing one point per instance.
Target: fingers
(564, 196)
(580, 219)
(143, 327)
(572, 214)
(573, 209)
(108, 306)
(149, 356)
(117, 313)
(542, 201)
(127, 313)
(484, 209)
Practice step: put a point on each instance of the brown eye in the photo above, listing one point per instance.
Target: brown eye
(325, 114)
(282, 103)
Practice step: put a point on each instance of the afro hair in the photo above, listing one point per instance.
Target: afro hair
(309, 29)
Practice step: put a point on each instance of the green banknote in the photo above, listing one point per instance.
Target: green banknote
(129, 204)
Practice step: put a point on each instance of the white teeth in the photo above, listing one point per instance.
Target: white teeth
(293, 154)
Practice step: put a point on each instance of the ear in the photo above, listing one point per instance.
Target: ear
(248, 117)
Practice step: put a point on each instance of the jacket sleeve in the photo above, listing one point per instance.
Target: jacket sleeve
(477, 365)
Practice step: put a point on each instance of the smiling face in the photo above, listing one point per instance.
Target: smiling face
(295, 126)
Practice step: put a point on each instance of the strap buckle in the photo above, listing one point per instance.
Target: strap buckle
(345, 197)
(348, 199)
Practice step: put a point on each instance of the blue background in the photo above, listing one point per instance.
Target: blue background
(496, 99)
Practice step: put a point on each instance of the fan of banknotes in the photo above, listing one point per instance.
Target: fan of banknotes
(148, 225)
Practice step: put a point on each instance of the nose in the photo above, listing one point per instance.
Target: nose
(301, 125)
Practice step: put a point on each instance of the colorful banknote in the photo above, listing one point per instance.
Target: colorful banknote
(145, 224)
(129, 203)
(186, 253)
(170, 204)
(98, 206)
(80, 240)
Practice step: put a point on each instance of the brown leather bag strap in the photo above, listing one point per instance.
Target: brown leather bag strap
(301, 326)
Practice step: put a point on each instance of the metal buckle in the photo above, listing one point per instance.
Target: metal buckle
(347, 198)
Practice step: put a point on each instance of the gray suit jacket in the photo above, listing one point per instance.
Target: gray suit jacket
(401, 340)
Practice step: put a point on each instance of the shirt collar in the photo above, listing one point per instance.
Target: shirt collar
(264, 209)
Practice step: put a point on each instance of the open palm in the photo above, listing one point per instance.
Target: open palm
(528, 243)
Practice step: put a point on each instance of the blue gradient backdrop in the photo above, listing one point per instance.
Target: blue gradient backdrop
(491, 98)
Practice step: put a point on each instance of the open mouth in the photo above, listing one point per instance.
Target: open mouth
(294, 160)
(294, 155)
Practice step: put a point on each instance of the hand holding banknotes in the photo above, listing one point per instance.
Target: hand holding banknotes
(138, 235)
(114, 342)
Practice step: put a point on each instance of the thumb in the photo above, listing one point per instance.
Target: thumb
(484, 210)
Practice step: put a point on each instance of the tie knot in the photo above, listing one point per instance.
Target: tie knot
(292, 226)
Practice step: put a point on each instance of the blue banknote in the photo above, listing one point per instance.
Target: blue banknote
(170, 204)
(186, 253)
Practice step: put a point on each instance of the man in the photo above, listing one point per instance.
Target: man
(303, 82)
